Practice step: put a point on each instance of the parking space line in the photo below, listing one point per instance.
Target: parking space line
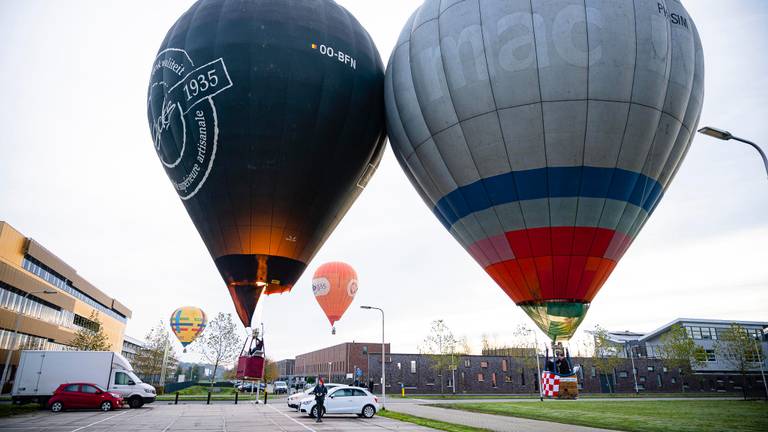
(290, 418)
(103, 420)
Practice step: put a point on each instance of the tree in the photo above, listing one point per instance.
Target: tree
(440, 347)
(148, 363)
(525, 349)
(271, 372)
(678, 350)
(605, 357)
(736, 347)
(220, 342)
(91, 336)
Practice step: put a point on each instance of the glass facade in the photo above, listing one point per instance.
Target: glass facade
(30, 342)
(13, 299)
(44, 272)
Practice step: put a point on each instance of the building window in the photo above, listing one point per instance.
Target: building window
(623, 374)
(86, 323)
(664, 369)
(480, 377)
(522, 377)
(658, 380)
(641, 379)
(467, 363)
(413, 366)
(593, 372)
(52, 277)
(711, 355)
(484, 364)
(674, 380)
(504, 367)
(651, 368)
(399, 366)
(493, 380)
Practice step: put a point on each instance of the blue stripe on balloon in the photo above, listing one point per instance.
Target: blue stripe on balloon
(552, 182)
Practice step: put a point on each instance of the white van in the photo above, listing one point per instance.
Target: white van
(41, 372)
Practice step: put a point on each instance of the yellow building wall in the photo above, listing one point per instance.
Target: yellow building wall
(12, 246)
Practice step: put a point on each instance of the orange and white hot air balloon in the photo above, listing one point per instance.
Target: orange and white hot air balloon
(334, 285)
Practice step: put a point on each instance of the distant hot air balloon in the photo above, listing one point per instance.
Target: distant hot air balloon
(268, 118)
(334, 286)
(542, 134)
(187, 323)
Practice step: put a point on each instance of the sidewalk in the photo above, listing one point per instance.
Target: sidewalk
(487, 421)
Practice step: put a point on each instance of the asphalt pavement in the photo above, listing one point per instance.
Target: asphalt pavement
(219, 417)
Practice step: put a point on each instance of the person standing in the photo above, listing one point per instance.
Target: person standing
(320, 391)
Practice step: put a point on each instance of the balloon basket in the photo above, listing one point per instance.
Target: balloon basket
(333, 330)
(250, 367)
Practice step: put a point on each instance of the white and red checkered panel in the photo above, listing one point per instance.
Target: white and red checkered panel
(550, 384)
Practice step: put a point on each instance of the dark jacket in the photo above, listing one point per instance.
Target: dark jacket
(320, 391)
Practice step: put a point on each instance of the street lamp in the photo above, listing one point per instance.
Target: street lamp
(634, 370)
(383, 364)
(329, 371)
(13, 347)
(726, 136)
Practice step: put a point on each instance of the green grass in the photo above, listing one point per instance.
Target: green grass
(434, 424)
(637, 416)
(7, 410)
(582, 396)
(200, 393)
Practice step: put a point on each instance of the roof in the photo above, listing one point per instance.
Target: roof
(133, 340)
(662, 329)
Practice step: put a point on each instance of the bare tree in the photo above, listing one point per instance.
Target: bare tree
(148, 362)
(606, 357)
(736, 347)
(90, 336)
(220, 342)
(678, 350)
(441, 347)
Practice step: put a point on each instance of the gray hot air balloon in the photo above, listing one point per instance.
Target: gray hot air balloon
(543, 133)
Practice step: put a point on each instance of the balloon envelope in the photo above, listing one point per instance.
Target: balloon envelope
(334, 286)
(542, 134)
(268, 119)
(187, 323)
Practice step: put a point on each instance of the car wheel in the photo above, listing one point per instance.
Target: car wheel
(313, 412)
(106, 406)
(369, 411)
(135, 402)
(57, 406)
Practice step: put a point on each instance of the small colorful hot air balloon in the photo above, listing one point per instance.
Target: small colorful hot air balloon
(334, 285)
(268, 118)
(187, 323)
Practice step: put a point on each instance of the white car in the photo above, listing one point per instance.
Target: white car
(294, 400)
(344, 400)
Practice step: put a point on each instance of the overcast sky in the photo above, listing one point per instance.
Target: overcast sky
(78, 172)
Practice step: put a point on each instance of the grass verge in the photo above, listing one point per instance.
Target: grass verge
(581, 396)
(7, 410)
(434, 424)
(637, 416)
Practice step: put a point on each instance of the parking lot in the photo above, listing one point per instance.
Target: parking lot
(219, 417)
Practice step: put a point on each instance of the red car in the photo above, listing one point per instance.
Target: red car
(83, 396)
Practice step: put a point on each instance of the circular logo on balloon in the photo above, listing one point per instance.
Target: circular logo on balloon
(182, 115)
(321, 286)
(352, 287)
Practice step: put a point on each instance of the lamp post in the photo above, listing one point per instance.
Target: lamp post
(13, 346)
(329, 371)
(634, 371)
(727, 136)
(758, 348)
(383, 364)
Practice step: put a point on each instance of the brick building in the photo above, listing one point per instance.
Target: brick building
(338, 361)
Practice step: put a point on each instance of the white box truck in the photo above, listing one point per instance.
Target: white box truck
(41, 372)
